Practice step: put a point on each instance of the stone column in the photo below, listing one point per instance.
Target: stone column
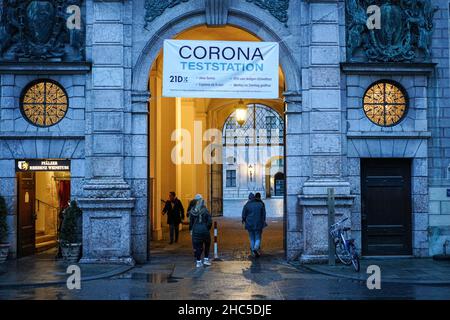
(326, 128)
(137, 175)
(296, 162)
(107, 202)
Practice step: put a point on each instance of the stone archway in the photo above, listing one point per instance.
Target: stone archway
(242, 20)
(256, 24)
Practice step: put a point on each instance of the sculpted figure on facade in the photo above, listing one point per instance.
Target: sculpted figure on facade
(35, 30)
(404, 35)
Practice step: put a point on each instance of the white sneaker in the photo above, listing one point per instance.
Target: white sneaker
(206, 262)
(199, 263)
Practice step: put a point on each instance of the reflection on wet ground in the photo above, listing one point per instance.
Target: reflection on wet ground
(169, 277)
(171, 274)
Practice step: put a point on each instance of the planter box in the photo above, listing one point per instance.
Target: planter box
(71, 252)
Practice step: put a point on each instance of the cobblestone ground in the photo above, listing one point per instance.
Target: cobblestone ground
(232, 240)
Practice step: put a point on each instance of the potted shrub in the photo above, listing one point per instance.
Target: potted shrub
(69, 235)
(4, 245)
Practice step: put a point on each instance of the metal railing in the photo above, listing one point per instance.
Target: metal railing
(54, 212)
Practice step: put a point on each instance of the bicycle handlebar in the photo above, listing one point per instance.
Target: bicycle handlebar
(339, 222)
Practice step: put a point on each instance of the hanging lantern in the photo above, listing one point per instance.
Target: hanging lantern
(241, 113)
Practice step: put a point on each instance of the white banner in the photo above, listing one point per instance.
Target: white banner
(220, 69)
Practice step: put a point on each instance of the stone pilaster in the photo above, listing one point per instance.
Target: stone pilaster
(136, 156)
(107, 203)
(325, 139)
(296, 174)
(315, 215)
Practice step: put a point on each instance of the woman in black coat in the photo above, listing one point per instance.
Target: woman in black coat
(200, 223)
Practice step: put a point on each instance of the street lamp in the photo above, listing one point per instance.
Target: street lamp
(241, 113)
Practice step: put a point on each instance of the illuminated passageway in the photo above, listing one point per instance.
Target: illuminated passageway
(247, 163)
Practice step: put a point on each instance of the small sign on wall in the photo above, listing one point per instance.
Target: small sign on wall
(27, 165)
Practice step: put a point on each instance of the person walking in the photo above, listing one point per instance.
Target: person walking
(190, 206)
(200, 223)
(175, 214)
(254, 218)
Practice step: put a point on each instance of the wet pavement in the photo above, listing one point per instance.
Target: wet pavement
(399, 270)
(172, 278)
(171, 274)
(43, 269)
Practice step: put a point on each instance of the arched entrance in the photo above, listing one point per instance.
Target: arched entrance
(177, 130)
(275, 164)
(148, 60)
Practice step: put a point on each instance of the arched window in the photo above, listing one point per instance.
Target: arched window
(44, 103)
(264, 126)
(385, 103)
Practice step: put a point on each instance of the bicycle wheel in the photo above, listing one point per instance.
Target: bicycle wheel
(355, 257)
(342, 253)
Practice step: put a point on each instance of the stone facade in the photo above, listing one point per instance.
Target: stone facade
(105, 132)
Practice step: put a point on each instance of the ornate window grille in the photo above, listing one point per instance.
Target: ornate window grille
(44, 103)
(385, 103)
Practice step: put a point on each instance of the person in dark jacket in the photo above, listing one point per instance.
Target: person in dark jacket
(190, 206)
(254, 218)
(175, 214)
(200, 223)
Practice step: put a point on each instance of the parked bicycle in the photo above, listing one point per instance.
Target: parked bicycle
(344, 247)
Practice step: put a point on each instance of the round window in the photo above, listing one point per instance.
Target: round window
(385, 103)
(44, 103)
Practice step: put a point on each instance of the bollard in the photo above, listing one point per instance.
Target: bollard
(331, 214)
(216, 247)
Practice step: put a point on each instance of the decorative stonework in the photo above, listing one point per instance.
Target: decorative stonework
(405, 34)
(35, 30)
(155, 8)
(216, 12)
(277, 8)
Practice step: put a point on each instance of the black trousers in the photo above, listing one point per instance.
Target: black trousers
(200, 245)
(174, 229)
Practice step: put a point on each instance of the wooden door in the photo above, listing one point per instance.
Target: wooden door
(26, 214)
(386, 206)
(216, 179)
(279, 184)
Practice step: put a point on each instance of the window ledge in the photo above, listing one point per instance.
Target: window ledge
(359, 68)
(45, 67)
(389, 135)
(54, 135)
